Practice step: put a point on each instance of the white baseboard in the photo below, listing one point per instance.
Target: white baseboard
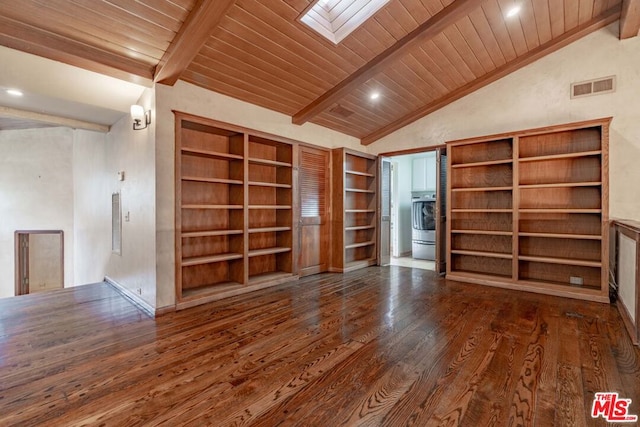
(131, 296)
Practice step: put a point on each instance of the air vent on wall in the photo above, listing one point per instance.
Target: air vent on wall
(593, 87)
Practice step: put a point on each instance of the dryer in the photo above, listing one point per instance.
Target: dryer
(423, 223)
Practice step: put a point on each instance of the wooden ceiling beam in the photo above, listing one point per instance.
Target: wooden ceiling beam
(426, 31)
(567, 38)
(629, 19)
(20, 36)
(196, 29)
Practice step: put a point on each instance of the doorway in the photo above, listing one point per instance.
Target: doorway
(39, 261)
(418, 208)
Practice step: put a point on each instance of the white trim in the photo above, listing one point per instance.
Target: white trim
(135, 299)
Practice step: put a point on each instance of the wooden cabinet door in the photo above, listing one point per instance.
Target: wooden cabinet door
(314, 185)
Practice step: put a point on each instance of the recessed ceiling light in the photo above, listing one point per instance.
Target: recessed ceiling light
(513, 11)
(14, 92)
(374, 95)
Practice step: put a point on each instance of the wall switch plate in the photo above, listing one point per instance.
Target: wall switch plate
(121, 176)
(575, 280)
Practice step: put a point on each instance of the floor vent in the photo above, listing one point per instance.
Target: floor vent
(593, 87)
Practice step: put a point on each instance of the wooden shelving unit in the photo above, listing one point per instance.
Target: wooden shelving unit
(270, 209)
(481, 209)
(529, 210)
(354, 220)
(234, 210)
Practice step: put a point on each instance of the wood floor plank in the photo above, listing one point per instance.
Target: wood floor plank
(249, 367)
(379, 346)
(626, 357)
(437, 367)
(453, 378)
(458, 396)
(546, 401)
(525, 396)
(569, 397)
(392, 345)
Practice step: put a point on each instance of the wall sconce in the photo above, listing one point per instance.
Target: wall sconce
(139, 116)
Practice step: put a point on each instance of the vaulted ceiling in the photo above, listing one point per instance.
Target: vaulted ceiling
(419, 55)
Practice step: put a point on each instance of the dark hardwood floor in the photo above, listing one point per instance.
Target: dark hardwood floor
(380, 346)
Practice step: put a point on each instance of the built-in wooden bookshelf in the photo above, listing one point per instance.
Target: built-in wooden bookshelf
(354, 214)
(270, 209)
(481, 208)
(234, 210)
(529, 210)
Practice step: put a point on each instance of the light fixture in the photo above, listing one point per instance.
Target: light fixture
(14, 92)
(513, 11)
(139, 115)
(374, 95)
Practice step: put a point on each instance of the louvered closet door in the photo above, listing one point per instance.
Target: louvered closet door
(441, 211)
(384, 256)
(314, 187)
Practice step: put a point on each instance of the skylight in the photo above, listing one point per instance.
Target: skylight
(336, 19)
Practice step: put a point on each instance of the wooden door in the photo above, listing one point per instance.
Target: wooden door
(314, 185)
(384, 173)
(441, 210)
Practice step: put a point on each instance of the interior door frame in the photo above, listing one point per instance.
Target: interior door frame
(22, 263)
(438, 149)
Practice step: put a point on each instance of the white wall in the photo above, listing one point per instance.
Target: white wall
(191, 99)
(92, 207)
(54, 178)
(60, 178)
(36, 193)
(403, 200)
(538, 95)
(134, 153)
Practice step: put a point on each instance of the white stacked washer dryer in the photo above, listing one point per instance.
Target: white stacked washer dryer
(423, 222)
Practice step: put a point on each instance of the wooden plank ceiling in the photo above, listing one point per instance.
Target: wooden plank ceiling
(418, 54)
